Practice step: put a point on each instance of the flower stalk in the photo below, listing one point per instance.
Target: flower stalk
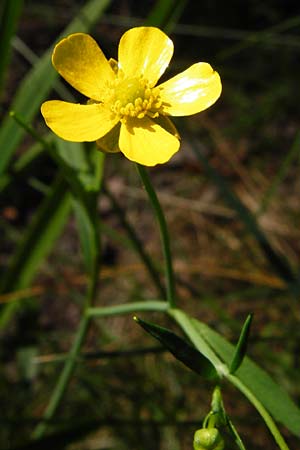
(164, 234)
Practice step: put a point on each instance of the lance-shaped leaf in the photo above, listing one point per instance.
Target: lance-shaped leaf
(257, 381)
(241, 348)
(182, 350)
(268, 398)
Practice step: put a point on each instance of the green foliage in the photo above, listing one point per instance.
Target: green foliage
(260, 389)
(44, 230)
(183, 351)
(9, 15)
(241, 348)
(269, 393)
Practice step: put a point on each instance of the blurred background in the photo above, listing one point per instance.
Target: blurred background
(127, 392)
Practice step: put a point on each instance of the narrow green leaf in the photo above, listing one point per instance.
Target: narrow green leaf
(182, 351)
(38, 83)
(73, 154)
(241, 348)
(254, 383)
(88, 235)
(73, 161)
(27, 158)
(9, 15)
(127, 308)
(20, 167)
(71, 157)
(188, 326)
(165, 14)
(85, 204)
(96, 161)
(43, 231)
(260, 37)
(83, 170)
(263, 387)
(160, 12)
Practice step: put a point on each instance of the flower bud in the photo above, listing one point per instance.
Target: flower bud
(208, 439)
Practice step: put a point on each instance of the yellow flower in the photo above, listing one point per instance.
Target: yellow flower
(126, 111)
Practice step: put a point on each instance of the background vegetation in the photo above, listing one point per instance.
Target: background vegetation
(126, 391)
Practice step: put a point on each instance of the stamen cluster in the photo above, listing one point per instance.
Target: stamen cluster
(133, 97)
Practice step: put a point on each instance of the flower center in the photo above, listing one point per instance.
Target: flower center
(132, 97)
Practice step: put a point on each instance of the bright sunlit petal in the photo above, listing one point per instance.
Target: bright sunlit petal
(77, 123)
(126, 111)
(191, 91)
(146, 142)
(145, 51)
(81, 62)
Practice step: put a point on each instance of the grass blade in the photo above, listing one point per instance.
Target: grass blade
(166, 13)
(127, 308)
(9, 15)
(43, 231)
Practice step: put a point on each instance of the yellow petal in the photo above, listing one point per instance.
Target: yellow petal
(145, 51)
(80, 61)
(77, 123)
(147, 143)
(191, 91)
(167, 124)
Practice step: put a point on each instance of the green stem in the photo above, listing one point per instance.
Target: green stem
(163, 233)
(63, 380)
(235, 435)
(137, 244)
(72, 357)
(128, 308)
(71, 361)
(70, 364)
(89, 202)
(262, 411)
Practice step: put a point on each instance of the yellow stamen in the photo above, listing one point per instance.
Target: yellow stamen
(132, 97)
